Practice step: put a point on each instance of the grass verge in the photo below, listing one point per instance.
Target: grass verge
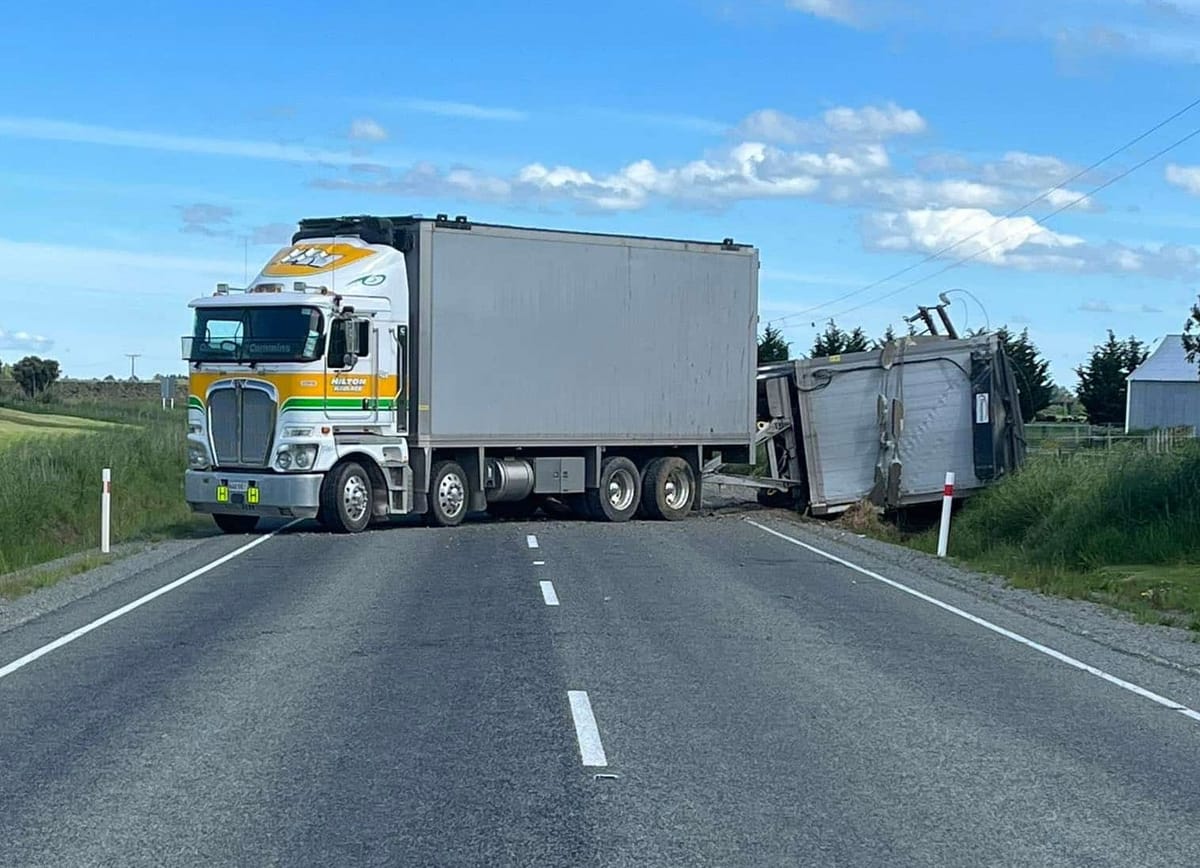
(50, 485)
(1120, 527)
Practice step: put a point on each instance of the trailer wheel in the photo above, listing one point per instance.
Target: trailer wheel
(346, 499)
(235, 523)
(620, 490)
(668, 489)
(449, 494)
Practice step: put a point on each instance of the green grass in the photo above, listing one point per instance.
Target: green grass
(1121, 527)
(15, 424)
(50, 482)
(17, 584)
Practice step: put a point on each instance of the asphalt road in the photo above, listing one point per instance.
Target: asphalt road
(401, 698)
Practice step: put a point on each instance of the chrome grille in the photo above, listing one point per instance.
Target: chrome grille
(241, 421)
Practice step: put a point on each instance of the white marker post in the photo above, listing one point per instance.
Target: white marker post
(105, 510)
(947, 503)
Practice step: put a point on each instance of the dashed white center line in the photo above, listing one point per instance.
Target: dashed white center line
(548, 593)
(539, 563)
(531, 541)
(591, 751)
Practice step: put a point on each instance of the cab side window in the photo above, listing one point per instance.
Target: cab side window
(337, 341)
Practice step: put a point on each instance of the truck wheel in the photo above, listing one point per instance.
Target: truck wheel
(449, 494)
(346, 499)
(236, 523)
(668, 489)
(619, 493)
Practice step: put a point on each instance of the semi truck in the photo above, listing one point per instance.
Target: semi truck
(392, 366)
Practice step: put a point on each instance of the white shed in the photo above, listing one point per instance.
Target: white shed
(1164, 391)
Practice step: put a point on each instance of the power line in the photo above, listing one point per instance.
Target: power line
(1039, 222)
(937, 254)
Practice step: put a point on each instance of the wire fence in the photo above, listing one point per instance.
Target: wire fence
(1058, 438)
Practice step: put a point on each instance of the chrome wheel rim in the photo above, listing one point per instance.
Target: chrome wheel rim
(677, 490)
(451, 495)
(621, 489)
(356, 498)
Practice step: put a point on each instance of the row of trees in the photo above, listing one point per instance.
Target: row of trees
(33, 375)
(1101, 380)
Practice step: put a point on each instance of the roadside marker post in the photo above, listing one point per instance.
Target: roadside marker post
(947, 503)
(105, 510)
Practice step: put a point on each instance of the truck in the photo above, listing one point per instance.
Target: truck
(390, 366)
(885, 426)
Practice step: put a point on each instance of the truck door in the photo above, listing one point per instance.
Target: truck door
(351, 379)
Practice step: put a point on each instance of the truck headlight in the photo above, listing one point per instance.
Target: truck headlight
(301, 456)
(197, 457)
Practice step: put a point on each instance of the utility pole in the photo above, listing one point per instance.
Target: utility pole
(132, 359)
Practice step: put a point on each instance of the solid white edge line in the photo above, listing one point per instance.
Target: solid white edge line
(140, 601)
(548, 593)
(531, 541)
(995, 628)
(591, 751)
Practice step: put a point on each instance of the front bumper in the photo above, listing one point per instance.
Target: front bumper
(289, 495)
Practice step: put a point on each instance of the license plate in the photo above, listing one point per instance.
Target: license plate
(238, 485)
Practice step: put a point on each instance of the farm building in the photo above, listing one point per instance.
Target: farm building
(1164, 391)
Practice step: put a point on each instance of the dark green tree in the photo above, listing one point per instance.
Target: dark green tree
(1102, 380)
(889, 335)
(834, 341)
(1033, 372)
(1191, 335)
(34, 375)
(772, 347)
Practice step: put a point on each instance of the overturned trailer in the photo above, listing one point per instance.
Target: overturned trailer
(886, 425)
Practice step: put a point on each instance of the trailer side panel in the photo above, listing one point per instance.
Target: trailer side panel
(545, 337)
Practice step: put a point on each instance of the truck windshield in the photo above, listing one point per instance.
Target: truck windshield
(257, 334)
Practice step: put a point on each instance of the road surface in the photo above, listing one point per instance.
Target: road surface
(568, 693)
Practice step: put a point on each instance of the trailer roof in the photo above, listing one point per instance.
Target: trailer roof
(380, 228)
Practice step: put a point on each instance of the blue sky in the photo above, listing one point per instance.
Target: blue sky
(145, 153)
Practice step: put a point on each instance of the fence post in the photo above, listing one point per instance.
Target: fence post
(947, 503)
(105, 510)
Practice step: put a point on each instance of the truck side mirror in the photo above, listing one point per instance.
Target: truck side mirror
(351, 330)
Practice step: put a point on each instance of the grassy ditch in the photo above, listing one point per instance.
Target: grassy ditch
(1120, 527)
(50, 481)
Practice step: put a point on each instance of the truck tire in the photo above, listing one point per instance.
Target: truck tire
(346, 499)
(668, 489)
(620, 490)
(235, 523)
(449, 494)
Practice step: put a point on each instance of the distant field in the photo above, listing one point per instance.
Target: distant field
(18, 424)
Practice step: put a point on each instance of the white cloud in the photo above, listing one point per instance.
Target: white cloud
(1185, 177)
(875, 123)
(1092, 306)
(24, 341)
(976, 232)
(1019, 242)
(471, 111)
(842, 11)
(41, 129)
(367, 130)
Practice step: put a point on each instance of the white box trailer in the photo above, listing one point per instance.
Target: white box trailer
(390, 366)
(885, 426)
